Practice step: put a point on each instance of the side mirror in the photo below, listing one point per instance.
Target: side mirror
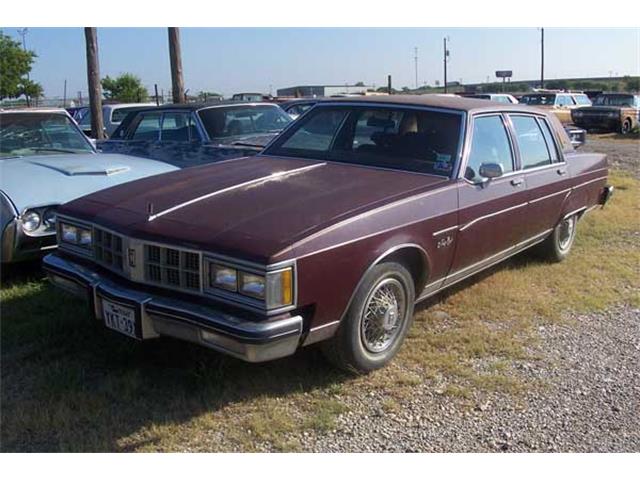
(491, 170)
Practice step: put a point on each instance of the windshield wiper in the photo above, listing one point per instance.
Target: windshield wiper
(52, 149)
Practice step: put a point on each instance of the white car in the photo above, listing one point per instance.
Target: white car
(112, 115)
(495, 97)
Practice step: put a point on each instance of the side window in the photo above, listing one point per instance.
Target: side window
(489, 144)
(582, 100)
(551, 144)
(533, 147)
(147, 128)
(178, 127)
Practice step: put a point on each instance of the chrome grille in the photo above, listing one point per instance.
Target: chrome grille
(172, 267)
(108, 249)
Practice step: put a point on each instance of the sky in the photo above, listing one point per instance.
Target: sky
(230, 60)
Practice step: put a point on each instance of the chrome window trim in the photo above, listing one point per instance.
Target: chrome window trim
(137, 275)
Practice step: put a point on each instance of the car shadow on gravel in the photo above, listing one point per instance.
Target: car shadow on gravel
(70, 384)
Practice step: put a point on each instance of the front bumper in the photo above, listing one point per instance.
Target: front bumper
(158, 315)
(598, 123)
(578, 136)
(605, 195)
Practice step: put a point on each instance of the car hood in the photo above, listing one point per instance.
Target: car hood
(252, 208)
(55, 179)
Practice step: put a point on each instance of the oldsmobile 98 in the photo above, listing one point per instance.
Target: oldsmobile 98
(353, 214)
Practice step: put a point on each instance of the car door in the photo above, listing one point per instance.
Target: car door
(563, 105)
(544, 169)
(180, 139)
(491, 212)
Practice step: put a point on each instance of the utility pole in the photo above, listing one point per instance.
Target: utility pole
(93, 79)
(64, 95)
(175, 56)
(415, 59)
(542, 58)
(389, 89)
(446, 55)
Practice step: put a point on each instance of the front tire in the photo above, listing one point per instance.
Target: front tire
(558, 245)
(377, 321)
(625, 129)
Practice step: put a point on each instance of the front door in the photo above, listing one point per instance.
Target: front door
(491, 218)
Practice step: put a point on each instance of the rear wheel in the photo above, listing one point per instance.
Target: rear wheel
(377, 321)
(626, 127)
(558, 245)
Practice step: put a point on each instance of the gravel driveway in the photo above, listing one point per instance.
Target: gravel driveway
(588, 401)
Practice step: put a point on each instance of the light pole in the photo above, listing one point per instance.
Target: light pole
(445, 58)
(542, 58)
(23, 33)
(415, 59)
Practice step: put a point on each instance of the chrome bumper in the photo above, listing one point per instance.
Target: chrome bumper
(157, 315)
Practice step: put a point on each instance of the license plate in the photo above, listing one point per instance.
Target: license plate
(119, 318)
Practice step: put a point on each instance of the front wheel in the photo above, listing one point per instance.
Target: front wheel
(558, 245)
(625, 129)
(377, 321)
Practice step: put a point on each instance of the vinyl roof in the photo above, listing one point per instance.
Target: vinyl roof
(438, 101)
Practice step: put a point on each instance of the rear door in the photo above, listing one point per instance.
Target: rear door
(491, 216)
(544, 169)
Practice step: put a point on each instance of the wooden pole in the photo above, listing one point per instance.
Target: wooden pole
(93, 78)
(389, 89)
(542, 58)
(175, 56)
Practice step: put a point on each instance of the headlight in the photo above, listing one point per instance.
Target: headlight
(75, 235)
(252, 285)
(31, 221)
(578, 114)
(223, 277)
(612, 114)
(49, 218)
(276, 288)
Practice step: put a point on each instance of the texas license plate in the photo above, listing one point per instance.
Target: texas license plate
(119, 318)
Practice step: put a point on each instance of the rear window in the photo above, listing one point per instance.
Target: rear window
(227, 122)
(539, 99)
(424, 141)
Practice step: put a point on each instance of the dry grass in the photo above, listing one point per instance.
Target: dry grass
(70, 385)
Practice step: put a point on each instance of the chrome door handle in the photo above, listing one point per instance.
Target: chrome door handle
(517, 182)
(562, 171)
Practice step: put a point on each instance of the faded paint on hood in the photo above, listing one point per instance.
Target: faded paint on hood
(251, 208)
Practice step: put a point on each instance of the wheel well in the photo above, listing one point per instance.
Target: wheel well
(414, 260)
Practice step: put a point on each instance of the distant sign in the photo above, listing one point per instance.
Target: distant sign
(504, 73)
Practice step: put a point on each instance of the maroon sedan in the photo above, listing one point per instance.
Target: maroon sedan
(360, 209)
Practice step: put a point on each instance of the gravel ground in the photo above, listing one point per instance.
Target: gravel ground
(624, 154)
(588, 400)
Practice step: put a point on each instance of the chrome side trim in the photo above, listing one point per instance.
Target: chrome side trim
(574, 212)
(322, 332)
(539, 199)
(444, 230)
(483, 217)
(249, 183)
(481, 265)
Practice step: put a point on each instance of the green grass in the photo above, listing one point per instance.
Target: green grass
(68, 384)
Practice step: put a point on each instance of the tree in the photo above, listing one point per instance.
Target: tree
(208, 96)
(359, 84)
(15, 65)
(125, 88)
(31, 89)
(631, 84)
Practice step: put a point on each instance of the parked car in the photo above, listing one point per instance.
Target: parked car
(560, 103)
(495, 97)
(295, 108)
(112, 115)
(77, 112)
(360, 209)
(194, 134)
(45, 160)
(614, 112)
(251, 97)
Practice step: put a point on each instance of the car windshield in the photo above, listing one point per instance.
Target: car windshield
(538, 99)
(615, 100)
(226, 124)
(26, 134)
(424, 141)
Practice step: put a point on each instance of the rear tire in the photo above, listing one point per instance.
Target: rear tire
(556, 247)
(377, 321)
